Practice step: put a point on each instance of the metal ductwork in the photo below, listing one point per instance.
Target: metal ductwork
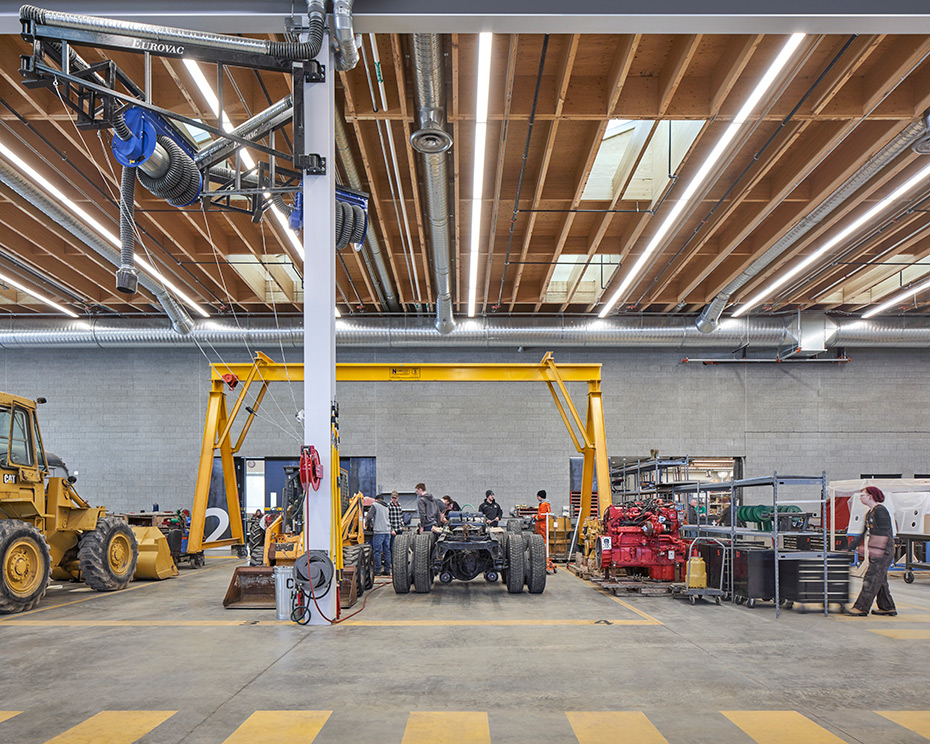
(377, 256)
(432, 141)
(402, 333)
(344, 35)
(173, 37)
(17, 182)
(913, 135)
(276, 115)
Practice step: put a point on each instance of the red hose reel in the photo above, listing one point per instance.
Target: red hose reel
(311, 468)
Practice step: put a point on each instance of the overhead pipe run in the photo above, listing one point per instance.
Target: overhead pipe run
(180, 320)
(273, 117)
(417, 333)
(915, 135)
(377, 255)
(168, 36)
(432, 141)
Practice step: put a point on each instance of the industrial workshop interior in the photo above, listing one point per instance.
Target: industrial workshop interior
(500, 373)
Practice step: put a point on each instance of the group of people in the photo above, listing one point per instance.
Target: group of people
(386, 521)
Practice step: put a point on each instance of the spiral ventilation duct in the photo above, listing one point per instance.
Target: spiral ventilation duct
(344, 35)
(276, 115)
(205, 39)
(401, 333)
(433, 141)
(355, 181)
(912, 135)
(38, 198)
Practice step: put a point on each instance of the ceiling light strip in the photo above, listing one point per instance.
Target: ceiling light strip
(707, 166)
(88, 219)
(863, 219)
(32, 293)
(481, 134)
(897, 299)
(207, 92)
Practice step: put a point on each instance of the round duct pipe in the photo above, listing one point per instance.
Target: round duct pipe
(401, 333)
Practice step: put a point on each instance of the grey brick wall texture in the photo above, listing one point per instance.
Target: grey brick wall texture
(131, 421)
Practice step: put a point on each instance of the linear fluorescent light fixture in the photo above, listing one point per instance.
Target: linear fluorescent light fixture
(206, 90)
(481, 134)
(851, 228)
(897, 299)
(32, 293)
(707, 166)
(112, 237)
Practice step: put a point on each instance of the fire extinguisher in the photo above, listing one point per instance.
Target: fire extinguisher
(311, 469)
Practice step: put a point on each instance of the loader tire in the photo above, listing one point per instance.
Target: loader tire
(535, 564)
(256, 543)
(422, 553)
(514, 525)
(400, 564)
(108, 555)
(25, 566)
(515, 551)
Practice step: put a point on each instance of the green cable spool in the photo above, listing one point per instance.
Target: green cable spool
(760, 514)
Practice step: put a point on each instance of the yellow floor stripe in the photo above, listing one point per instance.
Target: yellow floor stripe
(6, 715)
(447, 728)
(905, 634)
(885, 619)
(280, 727)
(631, 608)
(114, 727)
(629, 727)
(487, 623)
(780, 727)
(917, 721)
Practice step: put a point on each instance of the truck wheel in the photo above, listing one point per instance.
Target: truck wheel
(514, 525)
(400, 564)
(422, 552)
(535, 564)
(24, 566)
(108, 555)
(515, 551)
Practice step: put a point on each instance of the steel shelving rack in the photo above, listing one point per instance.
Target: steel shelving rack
(775, 482)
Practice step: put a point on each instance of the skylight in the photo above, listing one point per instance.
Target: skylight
(565, 285)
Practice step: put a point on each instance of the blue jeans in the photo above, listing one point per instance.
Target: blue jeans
(381, 543)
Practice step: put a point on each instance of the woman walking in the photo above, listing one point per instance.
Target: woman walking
(881, 555)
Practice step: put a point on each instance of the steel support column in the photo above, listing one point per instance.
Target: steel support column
(319, 308)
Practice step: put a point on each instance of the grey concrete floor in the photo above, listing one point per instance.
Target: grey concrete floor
(170, 646)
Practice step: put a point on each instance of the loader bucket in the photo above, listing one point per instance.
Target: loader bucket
(251, 588)
(155, 561)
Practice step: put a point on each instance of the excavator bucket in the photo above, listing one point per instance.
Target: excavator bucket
(251, 588)
(155, 561)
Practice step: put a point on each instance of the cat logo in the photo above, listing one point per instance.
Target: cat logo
(9, 478)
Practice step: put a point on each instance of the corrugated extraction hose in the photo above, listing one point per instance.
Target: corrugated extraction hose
(349, 221)
(126, 278)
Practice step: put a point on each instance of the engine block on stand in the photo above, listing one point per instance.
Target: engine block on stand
(642, 537)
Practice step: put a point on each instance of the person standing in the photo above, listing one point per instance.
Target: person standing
(449, 505)
(395, 516)
(692, 514)
(542, 515)
(881, 555)
(381, 535)
(429, 510)
(491, 509)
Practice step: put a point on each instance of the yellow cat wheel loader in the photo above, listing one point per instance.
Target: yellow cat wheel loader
(48, 531)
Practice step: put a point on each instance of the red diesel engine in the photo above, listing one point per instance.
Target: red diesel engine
(642, 535)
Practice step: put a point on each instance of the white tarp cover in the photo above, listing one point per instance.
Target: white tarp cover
(907, 499)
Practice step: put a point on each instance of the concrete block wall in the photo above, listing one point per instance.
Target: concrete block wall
(131, 421)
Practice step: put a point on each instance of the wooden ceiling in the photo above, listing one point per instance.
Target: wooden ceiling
(840, 100)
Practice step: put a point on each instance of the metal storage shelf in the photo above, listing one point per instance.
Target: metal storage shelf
(773, 481)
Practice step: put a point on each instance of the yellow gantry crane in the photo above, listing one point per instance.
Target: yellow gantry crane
(588, 435)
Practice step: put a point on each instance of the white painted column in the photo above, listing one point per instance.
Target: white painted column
(319, 311)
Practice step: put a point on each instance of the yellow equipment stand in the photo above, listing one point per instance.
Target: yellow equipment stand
(588, 435)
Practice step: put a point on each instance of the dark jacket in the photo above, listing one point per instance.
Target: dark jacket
(879, 528)
(452, 507)
(492, 511)
(430, 511)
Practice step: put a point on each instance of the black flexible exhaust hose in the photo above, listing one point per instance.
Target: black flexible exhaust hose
(126, 278)
(349, 222)
(180, 184)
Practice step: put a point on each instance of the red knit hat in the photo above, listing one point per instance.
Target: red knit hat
(876, 494)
